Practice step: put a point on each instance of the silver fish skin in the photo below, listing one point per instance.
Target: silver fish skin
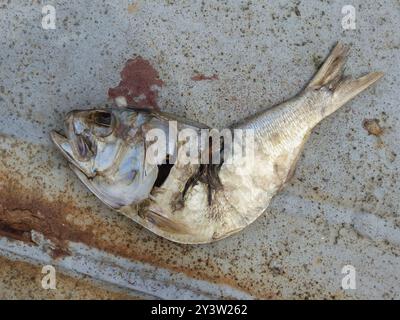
(107, 147)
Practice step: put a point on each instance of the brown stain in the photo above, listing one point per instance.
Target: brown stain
(23, 210)
(202, 77)
(138, 84)
(373, 127)
(133, 7)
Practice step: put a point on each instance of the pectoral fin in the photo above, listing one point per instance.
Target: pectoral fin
(164, 223)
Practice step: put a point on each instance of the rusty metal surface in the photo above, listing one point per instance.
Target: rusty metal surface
(21, 279)
(340, 208)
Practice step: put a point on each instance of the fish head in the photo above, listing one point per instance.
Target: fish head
(106, 150)
(85, 132)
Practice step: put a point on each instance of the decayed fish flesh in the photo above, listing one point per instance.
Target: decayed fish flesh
(194, 202)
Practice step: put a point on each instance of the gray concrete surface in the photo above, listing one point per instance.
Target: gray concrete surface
(342, 206)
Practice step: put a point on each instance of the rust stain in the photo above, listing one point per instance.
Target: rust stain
(23, 210)
(373, 127)
(139, 84)
(202, 77)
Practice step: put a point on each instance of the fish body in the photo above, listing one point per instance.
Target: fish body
(193, 202)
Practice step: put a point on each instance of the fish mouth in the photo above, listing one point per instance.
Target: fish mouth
(67, 149)
(62, 144)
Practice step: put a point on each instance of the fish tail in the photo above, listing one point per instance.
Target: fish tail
(330, 75)
(348, 88)
(332, 69)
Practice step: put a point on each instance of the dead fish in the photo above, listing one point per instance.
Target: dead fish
(200, 203)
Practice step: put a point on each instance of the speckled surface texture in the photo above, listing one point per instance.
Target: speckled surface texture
(22, 281)
(341, 207)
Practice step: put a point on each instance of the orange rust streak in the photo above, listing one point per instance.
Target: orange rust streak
(22, 211)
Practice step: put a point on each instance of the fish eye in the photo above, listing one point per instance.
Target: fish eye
(103, 123)
(103, 118)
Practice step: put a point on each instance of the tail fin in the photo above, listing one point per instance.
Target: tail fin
(330, 75)
(332, 69)
(348, 88)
